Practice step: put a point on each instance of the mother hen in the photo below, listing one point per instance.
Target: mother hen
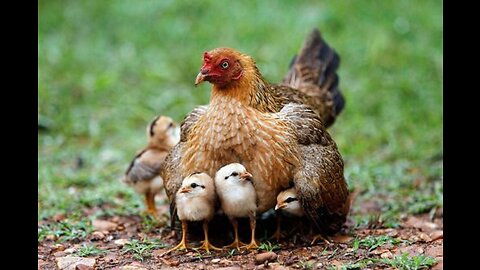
(278, 132)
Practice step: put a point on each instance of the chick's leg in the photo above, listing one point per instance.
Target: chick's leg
(206, 244)
(278, 232)
(183, 244)
(236, 243)
(150, 203)
(253, 242)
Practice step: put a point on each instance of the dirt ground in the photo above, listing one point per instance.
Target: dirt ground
(416, 235)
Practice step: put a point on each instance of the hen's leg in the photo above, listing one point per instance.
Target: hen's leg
(278, 232)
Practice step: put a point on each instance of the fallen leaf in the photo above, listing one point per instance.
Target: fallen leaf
(343, 239)
(83, 267)
(265, 257)
(435, 235)
(104, 225)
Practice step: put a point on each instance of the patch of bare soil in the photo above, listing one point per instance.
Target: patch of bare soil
(417, 235)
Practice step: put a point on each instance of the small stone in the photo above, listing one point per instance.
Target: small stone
(96, 235)
(263, 257)
(58, 247)
(386, 255)
(435, 235)
(59, 254)
(83, 267)
(424, 237)
(70, 263)
(121, 242)
(133, 266)
(104, 225)
(70, 250)
(215, 261)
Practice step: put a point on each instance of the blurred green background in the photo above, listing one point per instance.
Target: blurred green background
(106, 68)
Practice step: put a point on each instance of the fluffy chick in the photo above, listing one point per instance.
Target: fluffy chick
(287, 201)
(237, 198)
(143, 172)
(195, 201)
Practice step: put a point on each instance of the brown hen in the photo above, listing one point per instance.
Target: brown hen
(277, 132)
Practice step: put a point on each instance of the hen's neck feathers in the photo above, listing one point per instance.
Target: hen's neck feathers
(251, 89)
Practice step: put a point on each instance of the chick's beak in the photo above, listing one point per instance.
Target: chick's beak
(246, 176)
(280, 206)
(185, 190)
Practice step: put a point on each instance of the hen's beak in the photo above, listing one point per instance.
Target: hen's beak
(185, 190)
(280, 206)
(200, 78)
(246, 176)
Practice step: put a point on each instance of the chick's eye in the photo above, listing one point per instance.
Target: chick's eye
(170, 125)
(193, 185)
(225, 65)
(234, 174)
(290, 199)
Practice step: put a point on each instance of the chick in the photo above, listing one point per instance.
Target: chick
(143, 172)
(237, 198)
(195, 201)
(287, 201)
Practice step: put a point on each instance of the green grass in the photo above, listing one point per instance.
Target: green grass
(372, 242)
(105, 70)
(73, 229)
(141, 249)
(403, 262)
(268, 246)
(89, 250)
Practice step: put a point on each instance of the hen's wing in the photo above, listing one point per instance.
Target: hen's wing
(145, 166)
(170, 170)
(319, 182)
(314, 72)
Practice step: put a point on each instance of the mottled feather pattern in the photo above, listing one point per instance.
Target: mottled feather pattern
(260, 142)
(321, 187)
(313, 73)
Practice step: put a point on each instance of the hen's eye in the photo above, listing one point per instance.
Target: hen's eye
(193, 185)
(234, 174)
(290, 199)
(225, 65)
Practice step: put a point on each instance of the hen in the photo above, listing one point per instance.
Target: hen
(277, 132)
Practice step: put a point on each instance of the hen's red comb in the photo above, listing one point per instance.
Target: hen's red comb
(207, 57)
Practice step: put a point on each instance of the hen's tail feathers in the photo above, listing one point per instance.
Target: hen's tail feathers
(316, 65)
